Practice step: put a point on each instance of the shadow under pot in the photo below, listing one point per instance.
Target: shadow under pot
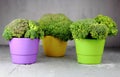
(24, 50)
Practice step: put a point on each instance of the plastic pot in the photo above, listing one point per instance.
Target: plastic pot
(54, 47)
(89, 51)
(24, 50)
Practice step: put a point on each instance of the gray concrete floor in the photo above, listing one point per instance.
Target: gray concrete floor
(61, 67)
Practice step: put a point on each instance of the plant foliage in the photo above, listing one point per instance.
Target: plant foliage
(99, 31)
(22, 28)
(88, 29)
(101, 19)
(56, 25)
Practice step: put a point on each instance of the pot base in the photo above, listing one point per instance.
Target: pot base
(23, 59)
(54, 54)
(89, 59)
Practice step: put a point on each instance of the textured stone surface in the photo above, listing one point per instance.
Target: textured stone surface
(66, 66)
(75, 9)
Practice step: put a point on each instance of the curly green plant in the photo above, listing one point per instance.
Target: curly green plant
(7, 34)
(101, 19)
(81, 28)
(22, 28)
(16, 28)
(56, 25)
(35, 30)
(99, 31)
(88, 29)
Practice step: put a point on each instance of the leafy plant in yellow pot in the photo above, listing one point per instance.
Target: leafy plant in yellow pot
(89, 36)
(56, 29)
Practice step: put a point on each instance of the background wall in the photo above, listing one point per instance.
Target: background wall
(75, 9)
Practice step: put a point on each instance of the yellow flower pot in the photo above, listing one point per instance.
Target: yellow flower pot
(54, 47)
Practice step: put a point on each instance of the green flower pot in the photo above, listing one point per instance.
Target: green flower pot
(89, 51)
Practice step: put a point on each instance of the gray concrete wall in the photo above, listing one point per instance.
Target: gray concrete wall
(75, 9)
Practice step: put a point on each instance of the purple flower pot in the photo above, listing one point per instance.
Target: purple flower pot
(24, 50)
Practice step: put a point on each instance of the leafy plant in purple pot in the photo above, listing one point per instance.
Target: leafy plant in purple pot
(23, 36)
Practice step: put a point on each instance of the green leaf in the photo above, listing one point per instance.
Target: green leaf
(22, 28)
(56, 25)
(109, 22)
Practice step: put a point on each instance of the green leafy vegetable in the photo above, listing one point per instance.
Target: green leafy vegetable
(101, 19)
(99, 31)
(88, 29)
(22, 28)
(56, 25)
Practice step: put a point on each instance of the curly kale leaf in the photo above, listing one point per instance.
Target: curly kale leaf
(99, 31)
(109, 22)
(23, 28)
(81, 29)
(56, 25)
(7, 34)
(35, 31)
(15, 29)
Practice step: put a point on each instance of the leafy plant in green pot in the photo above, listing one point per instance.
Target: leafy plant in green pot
(56, 29)
(23, 36)
(101, 19)
(89, 36)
